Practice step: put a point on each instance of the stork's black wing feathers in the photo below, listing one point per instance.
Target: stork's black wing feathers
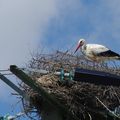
(108, 53)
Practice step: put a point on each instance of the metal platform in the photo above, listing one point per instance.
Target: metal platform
(96, 77)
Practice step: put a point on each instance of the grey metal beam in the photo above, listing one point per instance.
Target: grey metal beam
(13, 86)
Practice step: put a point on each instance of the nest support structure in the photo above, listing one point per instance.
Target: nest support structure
(84, 101)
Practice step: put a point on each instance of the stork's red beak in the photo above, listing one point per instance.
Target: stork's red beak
(79, 45)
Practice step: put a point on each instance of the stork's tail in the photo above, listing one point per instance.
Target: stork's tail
(118, 58)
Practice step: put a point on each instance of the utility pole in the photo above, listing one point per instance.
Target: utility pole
(49, 98)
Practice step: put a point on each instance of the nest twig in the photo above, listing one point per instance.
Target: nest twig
(80, 97)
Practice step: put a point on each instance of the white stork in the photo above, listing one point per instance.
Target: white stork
(96, 52)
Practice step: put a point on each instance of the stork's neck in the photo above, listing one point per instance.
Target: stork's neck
(83, 48)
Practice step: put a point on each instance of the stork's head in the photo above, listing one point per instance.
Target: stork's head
(81, 42)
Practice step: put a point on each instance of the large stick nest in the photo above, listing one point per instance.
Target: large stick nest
(80, 98)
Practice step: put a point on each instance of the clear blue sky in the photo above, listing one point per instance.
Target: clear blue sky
(27, 25)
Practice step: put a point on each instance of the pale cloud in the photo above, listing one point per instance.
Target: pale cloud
(22, 24)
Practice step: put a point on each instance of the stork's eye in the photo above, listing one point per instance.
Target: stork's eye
(81, 42)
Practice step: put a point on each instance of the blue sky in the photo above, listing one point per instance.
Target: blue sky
(96, 21)
(27, 26)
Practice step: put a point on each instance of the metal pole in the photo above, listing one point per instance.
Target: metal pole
(13, 86)
(30, 82)
(49, 98)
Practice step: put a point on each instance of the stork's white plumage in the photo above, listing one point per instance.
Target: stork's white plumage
(96, 52)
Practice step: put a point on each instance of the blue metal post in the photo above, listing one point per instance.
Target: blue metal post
(62, 74)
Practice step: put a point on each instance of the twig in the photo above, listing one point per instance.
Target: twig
(107, 108)
(89, 116)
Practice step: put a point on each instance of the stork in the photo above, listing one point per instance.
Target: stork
(95, 52)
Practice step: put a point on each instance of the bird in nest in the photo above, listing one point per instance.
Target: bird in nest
(96, 52)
